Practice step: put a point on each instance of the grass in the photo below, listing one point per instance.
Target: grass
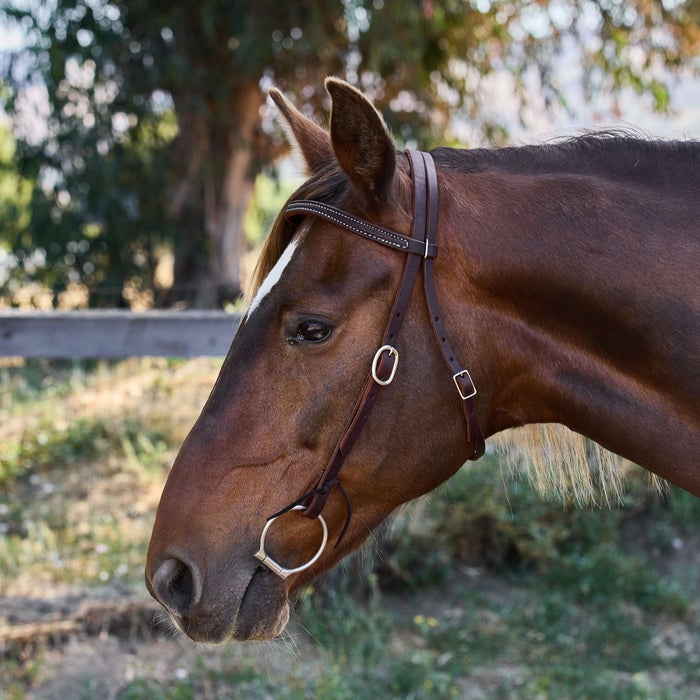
(49, 521)
(585, 607)
(482, 585)
(83, 453)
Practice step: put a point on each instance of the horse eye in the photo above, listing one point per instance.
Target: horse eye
(311, 331)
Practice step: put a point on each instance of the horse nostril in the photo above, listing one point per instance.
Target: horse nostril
(176, 586)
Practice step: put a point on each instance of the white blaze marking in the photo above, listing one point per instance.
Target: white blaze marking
(273, 276)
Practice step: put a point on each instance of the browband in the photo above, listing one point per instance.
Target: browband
(374, 232)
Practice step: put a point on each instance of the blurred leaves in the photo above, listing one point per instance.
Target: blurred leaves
(129, 116)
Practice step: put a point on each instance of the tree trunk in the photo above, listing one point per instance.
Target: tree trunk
(229, 235)
(211, 198)
(224, 221)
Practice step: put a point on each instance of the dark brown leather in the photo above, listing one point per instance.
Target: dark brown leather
(421, 249)
(461, 377)
(374, 232)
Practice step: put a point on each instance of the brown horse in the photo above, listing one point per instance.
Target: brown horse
(564, 278)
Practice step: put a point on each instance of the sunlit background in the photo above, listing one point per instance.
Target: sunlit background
(140, 167)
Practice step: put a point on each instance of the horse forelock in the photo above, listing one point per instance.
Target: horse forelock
(331, 186)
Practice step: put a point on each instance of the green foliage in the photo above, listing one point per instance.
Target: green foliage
(143, 689)
(603, 573)
(94, 217)
(35, 380)
(17, 675)
(268, 199)
(15, 196)
(53, 463)
(37, 465)
(476, 517)
(153, 107)
(334, 619)
(49, 445)
(145, 106)
(582, 592)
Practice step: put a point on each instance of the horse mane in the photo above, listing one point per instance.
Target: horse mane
(565, 466)
(613, 154)
(560, 463)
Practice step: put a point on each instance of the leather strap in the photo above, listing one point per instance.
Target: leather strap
(372, 389)
(460, 376)
(421, 249)
(374, 232)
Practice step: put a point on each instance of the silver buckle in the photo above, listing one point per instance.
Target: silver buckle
(375, 363)
(459, 388)
(281, 571)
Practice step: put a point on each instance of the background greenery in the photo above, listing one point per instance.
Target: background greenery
(141, 127)
(479, 590)
(137, 132)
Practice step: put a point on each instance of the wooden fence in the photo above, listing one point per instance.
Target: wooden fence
(115, 334)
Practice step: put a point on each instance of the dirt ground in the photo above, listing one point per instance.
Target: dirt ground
(92, 645)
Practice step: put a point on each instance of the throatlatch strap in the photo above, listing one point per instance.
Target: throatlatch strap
(461, 377)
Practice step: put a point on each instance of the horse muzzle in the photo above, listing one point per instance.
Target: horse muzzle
(228, 606)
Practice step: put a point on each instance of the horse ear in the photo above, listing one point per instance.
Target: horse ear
(361, 141)
(312, 140)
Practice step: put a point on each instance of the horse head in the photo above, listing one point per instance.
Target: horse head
(289, 388)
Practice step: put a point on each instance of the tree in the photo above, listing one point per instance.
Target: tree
(15, 194)
(164, 100)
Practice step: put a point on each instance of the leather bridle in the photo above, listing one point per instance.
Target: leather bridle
(421, 249)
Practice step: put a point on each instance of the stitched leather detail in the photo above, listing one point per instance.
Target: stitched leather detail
(351, 223)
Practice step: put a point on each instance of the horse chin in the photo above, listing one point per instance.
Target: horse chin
(264, 610)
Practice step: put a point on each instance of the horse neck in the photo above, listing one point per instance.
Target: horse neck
(575, 295)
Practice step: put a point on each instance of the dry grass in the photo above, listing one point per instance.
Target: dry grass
(83, 460)
(85, 450)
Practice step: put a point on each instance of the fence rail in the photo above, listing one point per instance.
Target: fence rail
(115, 334)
